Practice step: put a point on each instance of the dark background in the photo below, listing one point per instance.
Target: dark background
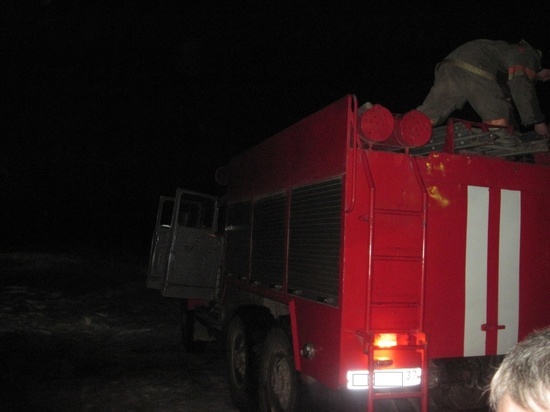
(106, 105)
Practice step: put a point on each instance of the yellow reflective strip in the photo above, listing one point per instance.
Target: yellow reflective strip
(470, 68)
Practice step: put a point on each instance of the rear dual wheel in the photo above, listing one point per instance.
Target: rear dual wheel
(278, 378)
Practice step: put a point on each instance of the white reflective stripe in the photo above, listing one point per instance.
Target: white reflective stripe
(508, 276)
(477, 230)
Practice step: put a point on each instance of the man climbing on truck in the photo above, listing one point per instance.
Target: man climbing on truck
(490, 75)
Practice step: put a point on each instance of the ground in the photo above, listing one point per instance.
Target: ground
(81, 332)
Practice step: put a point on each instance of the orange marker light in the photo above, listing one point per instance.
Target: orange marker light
(385, 340)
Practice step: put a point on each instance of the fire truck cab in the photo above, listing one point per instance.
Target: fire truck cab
(366, 253)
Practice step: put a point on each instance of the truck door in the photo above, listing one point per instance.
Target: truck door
(195, 247)
(160, 245)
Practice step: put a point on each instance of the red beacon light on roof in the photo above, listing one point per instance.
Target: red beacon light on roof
(378, 126)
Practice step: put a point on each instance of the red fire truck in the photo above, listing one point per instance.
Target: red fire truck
(365, 253)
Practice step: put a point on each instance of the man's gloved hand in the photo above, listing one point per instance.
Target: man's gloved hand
(542, 129)
(543, 75)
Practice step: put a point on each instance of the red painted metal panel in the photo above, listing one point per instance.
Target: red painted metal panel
(395, 318)
(534, 308)
(492, 273)
(312, 149)
(447, 178)
(319, 324)
(401, 282)
(401, 235)
(444, 295)
(394, 181)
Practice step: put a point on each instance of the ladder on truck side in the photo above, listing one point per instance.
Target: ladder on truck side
(382, 216)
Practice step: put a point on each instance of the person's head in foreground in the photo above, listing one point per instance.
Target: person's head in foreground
(522, 382)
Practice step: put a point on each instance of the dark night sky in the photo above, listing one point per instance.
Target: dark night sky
(107, 105)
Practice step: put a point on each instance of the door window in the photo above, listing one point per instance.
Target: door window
(196, 211)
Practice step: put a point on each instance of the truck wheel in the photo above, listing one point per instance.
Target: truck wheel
(187, 318)
(239, 358)
(278, 378)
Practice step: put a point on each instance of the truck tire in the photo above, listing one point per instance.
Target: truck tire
(239, 365)
(187, 320)
(278, 378)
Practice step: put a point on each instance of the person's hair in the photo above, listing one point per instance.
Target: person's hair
(524, 374)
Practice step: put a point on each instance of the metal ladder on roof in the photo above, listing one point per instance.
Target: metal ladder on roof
(402, 310)
(465, 137)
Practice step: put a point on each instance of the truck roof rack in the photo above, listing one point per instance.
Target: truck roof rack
(465, 137)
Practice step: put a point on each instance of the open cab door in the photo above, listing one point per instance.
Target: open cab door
(160, 245)
(185, 255)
